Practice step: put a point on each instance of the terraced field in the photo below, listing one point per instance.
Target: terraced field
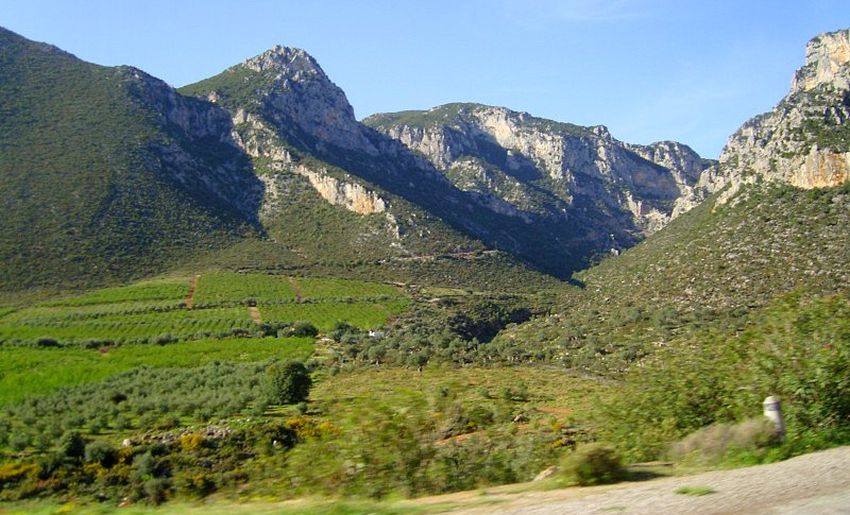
(89, 337)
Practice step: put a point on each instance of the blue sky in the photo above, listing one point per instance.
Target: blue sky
(690, 71)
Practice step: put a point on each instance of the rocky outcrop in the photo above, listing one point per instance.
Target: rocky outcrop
(193, 126)
(351, 196)
(523, 153)
(263, 144)
(827, 60)
(805, 140)
(297, 92)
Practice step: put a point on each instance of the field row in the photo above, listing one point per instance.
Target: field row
(223, 287)
(195, 323)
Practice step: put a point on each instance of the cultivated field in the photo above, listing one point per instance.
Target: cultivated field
(89, 337)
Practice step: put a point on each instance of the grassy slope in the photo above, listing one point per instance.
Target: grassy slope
(82, 202)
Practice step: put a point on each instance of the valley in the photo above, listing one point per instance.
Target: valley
(234, 293)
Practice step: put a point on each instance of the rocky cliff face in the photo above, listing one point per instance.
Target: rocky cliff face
(290, 99)
(805, 140)
(514, 157)
(193, 128)
(299, 93)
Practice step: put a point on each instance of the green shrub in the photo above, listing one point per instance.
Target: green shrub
(157, 490)
(72, 445)
(303, 328)
(99, 452)
(593, 464)
(288, 383)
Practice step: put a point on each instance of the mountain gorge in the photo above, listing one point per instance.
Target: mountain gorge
(537, 168)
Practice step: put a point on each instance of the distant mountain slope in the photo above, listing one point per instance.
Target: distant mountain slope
(106, 173)
(302, 134)
(562, 172)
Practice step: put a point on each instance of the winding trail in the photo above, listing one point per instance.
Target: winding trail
(190, 295)
(816, 483)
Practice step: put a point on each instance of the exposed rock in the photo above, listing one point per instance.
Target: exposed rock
(300, 93)
(827, 58)
(195, 123)
(805, 140)
(352, 196)
(262, 142)
(514, 157)
(546, 473)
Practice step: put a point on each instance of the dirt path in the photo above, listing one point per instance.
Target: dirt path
(254, 311)
(813, 483)
(190, 295)
(296, 289)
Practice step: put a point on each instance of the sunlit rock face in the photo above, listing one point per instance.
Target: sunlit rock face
(805, 140)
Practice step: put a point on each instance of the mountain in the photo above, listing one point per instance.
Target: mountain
(554, 208)
(559, 172)
(777, 220)
(107, 173)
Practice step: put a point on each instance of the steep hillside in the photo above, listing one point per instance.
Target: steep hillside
(340, 194)
(804, 140)
(107, 174)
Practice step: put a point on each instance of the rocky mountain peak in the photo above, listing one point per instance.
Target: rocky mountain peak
(804, 140)
(827, 58)
(297, 91)
(291, 62)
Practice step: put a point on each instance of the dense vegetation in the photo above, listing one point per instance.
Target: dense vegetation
(796, 348)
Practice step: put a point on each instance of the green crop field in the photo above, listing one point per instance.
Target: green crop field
(90, 337)
(121, 327)
(366, 315)
(26, 372)
(317, 288)
(222, 287)
(170, 289)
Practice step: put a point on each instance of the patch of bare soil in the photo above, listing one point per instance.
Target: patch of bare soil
(254, 311)
(190, 295)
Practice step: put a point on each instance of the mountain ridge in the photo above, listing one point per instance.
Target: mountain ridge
(271, 150)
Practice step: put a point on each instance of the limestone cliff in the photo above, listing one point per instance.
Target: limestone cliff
(805, 140)
(520, 159)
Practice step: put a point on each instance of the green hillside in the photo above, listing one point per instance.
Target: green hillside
(88, 197)
(708, 267)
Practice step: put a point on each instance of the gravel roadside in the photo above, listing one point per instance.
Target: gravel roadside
(816, 483)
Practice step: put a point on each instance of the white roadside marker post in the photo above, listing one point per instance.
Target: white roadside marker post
(773, 411)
